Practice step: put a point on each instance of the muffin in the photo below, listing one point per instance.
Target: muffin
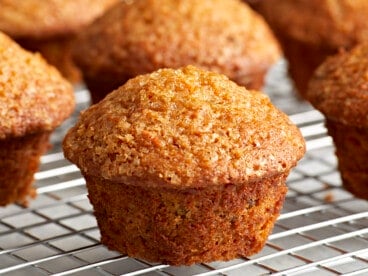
(339, 89)
(34, 99)
(224, 36)
(184, 166)
(49, 26)
(311, 30)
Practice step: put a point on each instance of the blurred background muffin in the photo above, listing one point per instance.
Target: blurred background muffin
(34, 100)
(49, 26)
(141, 36)
(185, 166)
(311, 30)
(339, 89)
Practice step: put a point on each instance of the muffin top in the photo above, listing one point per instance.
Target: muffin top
(33, 95)
(141, 36)
(183, 128)
(45, 18)
(328, 23)
(339, 87)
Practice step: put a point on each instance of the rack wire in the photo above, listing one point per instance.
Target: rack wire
(322, 229)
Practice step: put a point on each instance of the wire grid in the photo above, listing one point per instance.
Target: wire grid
(322, 229)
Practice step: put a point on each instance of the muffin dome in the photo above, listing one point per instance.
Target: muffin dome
(138, 37)
(183, 128)
(33, 95)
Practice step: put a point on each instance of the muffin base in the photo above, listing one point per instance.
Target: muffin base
(351, 145)
(183, 227)
(19, 160)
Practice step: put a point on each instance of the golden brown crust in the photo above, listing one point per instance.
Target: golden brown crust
(324, 23)
(224, 36)
(183, 128)
(45, 18)
(339, 87)
(33, 95)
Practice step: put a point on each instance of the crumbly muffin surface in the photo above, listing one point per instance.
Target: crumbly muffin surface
(44, 18)
(33, 95)
(139, 37)
(339, 87)
(325, 23)
(183, 128)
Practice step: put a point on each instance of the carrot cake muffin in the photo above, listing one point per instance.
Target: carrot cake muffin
(48, 26)
(184, 166)
(339, 89)
(311, 30)
(34, 99)
(133, 38)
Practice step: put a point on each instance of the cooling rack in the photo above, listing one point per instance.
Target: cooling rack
(322, 229)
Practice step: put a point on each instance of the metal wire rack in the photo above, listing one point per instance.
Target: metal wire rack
(322, 229)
